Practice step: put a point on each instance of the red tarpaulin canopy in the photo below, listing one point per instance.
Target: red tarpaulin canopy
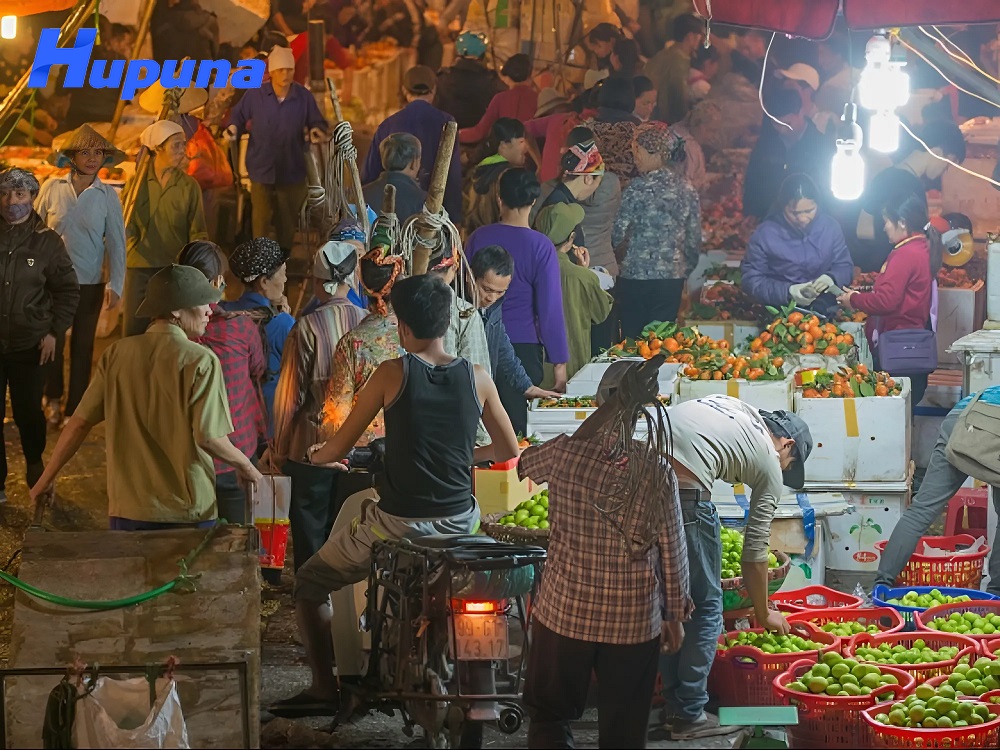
(814, 19)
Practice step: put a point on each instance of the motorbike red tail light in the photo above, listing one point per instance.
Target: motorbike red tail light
(476, 608)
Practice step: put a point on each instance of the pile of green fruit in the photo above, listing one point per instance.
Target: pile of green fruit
(732, 554)
(919, 653)
(838, 676)
(928, 708)
(533, 513)
(966, 623)
(973, 681)
(848, 629)
(931, 599)
(771, 643)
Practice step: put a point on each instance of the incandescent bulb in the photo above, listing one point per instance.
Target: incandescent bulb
(847, 174)
(8, 27)
(883, 132)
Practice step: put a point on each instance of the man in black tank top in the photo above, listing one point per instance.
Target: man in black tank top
(432, 402)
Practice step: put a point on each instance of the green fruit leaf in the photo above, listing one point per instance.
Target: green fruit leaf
(866, 389)
(772, 310)
(856, 387)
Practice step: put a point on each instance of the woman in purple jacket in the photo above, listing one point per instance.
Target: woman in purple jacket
(797, 253)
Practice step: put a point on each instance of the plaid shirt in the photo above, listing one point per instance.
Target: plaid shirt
(594, 589)
(235, 340)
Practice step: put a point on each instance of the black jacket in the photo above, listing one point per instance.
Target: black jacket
(40, 291)
(410, 197)
(465, 90)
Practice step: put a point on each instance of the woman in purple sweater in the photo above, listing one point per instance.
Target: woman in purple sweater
(532, 307)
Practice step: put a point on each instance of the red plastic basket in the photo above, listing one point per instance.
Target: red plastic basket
(744, 675)
(798, 600)
(985, 735)
(830, 720)
(945, 611)
(967, 648)
(991, 648)
(887, 619)
(964, 572)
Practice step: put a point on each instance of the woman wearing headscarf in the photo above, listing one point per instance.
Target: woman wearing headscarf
(37, 304)
(260, 265)
(87, 214)
(237, 343)
(168, 214)
(658, 230)
(614, 127)
(306, 369)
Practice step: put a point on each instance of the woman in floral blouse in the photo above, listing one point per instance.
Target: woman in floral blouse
(614, 127)
(658, 229)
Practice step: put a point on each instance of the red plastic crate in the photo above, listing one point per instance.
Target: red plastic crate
(965, 572)
(921, 672)
(798, 600)
(985, 735)
(945, 611)
(744, 675)
(887, 619)
(984, 698)
(991, 648)
(831, 721)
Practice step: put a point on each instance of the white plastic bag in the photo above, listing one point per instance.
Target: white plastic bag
(117, 714)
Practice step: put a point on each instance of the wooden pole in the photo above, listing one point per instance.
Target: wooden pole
(435, 195)
(140, 39)
(70, 26)
(352, 165)
(389, 200)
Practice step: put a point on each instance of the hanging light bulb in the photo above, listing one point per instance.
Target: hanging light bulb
(883, 84)
(883, 132)
(8, 27)
(847, 173)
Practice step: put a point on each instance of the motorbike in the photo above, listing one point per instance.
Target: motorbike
(443, 635)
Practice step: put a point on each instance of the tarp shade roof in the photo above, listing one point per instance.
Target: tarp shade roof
(814, 19)
(29, 7)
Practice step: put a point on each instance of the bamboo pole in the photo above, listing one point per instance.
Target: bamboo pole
(389, 200)
(140, 39)
(435, 195)
(70, 26)
(352, 164)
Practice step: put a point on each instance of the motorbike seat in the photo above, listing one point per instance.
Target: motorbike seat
(453, 541)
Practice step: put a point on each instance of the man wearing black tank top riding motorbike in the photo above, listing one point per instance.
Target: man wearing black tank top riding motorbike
(432, 403)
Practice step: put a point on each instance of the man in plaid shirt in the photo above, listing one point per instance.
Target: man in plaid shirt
(616, 581)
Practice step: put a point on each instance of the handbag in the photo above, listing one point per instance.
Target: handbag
(974, 445)
(910, 351)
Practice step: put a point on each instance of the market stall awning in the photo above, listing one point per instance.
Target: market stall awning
(814, 19)
(30, 7)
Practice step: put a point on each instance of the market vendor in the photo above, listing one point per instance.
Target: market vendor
(168, 214)
(941, 481)
(164, 399)
(795, 246)
(722, 438)
(466, 89)
(87, 214)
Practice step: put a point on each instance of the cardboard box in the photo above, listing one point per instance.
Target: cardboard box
(874, 512)
(960, 312)
(858, 439)
(499, 489)
(761, 394)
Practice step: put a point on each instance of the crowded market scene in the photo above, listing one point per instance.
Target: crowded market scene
(690, 311)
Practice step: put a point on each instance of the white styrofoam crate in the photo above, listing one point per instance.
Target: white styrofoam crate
(857, 330)
(981, 358)
(858, 439)
(993, 281)
(588, 378)
(875, 511)
(770, 395)
(735, 332)
(960, 312)
(547, 423)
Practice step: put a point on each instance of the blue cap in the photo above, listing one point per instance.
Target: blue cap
(471, 44)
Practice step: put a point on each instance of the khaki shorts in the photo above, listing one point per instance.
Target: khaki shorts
(345, 558)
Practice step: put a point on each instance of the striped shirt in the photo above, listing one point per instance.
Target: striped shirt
(306, 368)
(236, 341)
(594, 588)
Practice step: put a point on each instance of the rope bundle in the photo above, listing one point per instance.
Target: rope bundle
(443, 240)
(325, 192)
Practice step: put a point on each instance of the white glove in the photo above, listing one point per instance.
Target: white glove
(823, 283)
(606, 279)
(803, 294)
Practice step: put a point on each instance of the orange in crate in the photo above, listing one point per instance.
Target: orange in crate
(958, 571)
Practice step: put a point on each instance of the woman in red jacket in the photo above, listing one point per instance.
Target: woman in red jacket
(905, 289)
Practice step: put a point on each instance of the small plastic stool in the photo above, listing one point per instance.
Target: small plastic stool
(968, 512)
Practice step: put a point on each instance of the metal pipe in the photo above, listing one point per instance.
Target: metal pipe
(140, 39)
(70, 26)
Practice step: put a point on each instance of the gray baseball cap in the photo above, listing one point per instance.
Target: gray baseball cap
(787, 425)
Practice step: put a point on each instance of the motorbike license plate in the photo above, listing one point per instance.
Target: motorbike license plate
(480, 637)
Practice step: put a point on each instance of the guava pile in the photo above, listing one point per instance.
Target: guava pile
(533, 513)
